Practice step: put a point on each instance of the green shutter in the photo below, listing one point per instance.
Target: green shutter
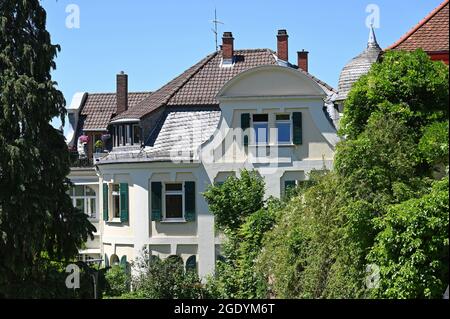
(245, 124)
(123, 202)
(106, 261)
(156, 201)
(123, 262)
(189, 201)
(105, 202)
(297, 127)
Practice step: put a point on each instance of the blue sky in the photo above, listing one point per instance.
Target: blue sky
(153, 41)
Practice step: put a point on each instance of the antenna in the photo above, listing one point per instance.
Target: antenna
(216, 22)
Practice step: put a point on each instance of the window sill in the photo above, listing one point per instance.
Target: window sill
(114, 221)
(173, 220)
(273, 145)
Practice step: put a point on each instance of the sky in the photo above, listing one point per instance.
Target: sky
(154, 41)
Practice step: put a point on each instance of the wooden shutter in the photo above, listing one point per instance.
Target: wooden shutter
(245, 124)
(189, 201)
(123, 262)
(156, 201)
(124, 215)
(106, 261)
(105, 202)
(297, 127)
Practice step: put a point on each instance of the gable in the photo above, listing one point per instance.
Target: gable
(271, 81)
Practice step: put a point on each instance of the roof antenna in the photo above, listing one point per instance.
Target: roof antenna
(216, 22)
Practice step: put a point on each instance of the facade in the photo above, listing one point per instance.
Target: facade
(234, 109)
(430, 34)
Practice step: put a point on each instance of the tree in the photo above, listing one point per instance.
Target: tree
(412, 247)
(36, 213)
(408, 84)
(235, 199)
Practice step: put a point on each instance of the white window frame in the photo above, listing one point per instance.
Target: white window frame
(181, 192)
(289, 121)
(112, 194)
(87, 201)
(255, 142)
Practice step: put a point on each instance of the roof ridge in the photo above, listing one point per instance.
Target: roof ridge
(114, 93)
(418, 25)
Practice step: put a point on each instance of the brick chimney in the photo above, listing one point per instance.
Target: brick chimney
(227, 47)
(303, 60)
(122, 92)
(282, 45)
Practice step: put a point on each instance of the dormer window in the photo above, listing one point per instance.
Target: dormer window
(127, 135)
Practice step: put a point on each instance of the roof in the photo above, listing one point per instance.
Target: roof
(98, 108)
(177, 137)
(358, 66)
(199, 85)
(431, 34)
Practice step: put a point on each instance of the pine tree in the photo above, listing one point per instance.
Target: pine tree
(37, 218)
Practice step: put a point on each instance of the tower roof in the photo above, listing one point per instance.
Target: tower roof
(358, 66)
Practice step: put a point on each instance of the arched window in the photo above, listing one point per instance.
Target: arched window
(191, 263)
(114, 260)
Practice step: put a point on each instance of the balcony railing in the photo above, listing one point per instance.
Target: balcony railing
(76, 161)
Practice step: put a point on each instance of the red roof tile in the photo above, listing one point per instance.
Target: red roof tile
(100, 107)
(431, 34)
(199, 85)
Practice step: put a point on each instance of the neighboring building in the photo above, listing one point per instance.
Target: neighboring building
(431, 34)
(356, 67)
(89, 115)
(234, 109)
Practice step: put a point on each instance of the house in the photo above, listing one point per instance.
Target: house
(232, 110)
(430, 34)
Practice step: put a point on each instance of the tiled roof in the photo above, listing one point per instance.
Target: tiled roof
(178, 136)
(100, 107)
(199, 85)
(431, 34)
(358, 66)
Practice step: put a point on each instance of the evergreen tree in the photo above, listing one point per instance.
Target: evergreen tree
(37, 218)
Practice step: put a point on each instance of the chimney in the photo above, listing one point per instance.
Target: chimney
(303, 60)
(122, 92)
(282, 45)
(227, 47)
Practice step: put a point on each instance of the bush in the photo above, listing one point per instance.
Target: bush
(117, 281)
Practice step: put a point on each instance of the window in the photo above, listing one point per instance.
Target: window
(115, 194)
(283, 126)
(120, 137)
(129, 135)
(261, 127)
(84, 198)
(136, 135)
(174, 201)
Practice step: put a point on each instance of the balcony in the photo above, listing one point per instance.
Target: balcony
(76, 161)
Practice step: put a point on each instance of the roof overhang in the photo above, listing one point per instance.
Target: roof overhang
(126, 120)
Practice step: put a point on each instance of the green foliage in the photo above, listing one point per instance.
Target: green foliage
(164, 279)
(434, 143)
(412, 247)
(236, 277)
(235, 199)
(407, 84)
(36, 214)
(117, 281)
